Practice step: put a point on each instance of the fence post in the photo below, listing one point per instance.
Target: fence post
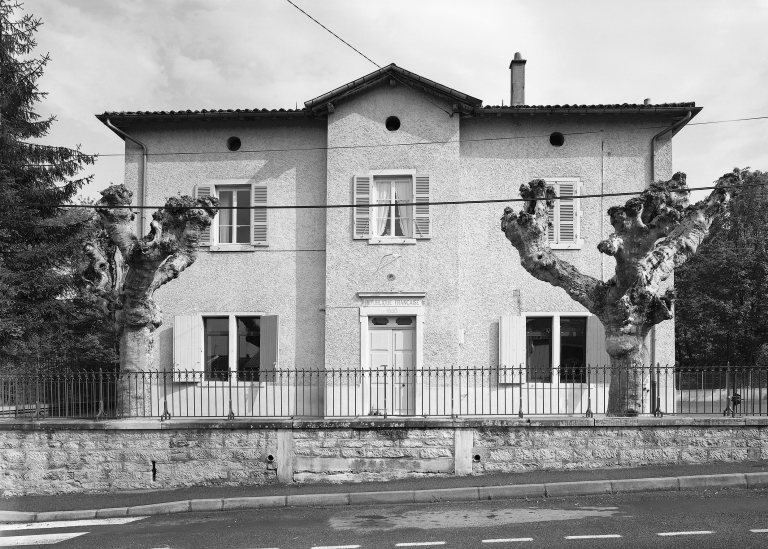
(100, 414)
(166, 414)
(231, 414)
(728, 409)
(520, 372)
(38, 413)
(589, 395)
(385, 392)
(657, 412)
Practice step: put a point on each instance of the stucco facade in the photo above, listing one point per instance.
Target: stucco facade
(324, 285)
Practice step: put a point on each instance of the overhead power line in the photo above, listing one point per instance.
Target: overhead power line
(435, 203)
(334, 34)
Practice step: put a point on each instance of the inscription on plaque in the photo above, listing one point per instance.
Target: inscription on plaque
(385, 302)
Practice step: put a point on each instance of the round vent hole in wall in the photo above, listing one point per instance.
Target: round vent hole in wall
(391, 277)
(392, 123)
(233, 143)
(556, 139)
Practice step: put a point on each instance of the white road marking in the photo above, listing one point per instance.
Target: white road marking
(336, 547)
(42, 539)
(595, 536)
(695, 533)
(759, 531)
(419, 543)
(68, 523)
(506, 540)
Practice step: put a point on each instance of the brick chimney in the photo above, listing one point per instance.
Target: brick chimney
(517, 66)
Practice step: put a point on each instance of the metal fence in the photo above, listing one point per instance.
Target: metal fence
(386, 392)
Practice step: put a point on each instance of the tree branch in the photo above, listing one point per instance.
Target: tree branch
(527, 231)
(118, 221)
(684, 240)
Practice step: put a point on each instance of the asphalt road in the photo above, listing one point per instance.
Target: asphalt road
(675, 519)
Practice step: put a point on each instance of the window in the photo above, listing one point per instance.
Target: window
(392, 208)
(572, 355)
(239, 225)
(225, 347)
(245, 343)
(234, 215)
(549, 348)
(390, 218)
(565, 233)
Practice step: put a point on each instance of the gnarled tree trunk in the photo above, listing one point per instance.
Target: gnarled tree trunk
(127, 281)
(654, 233)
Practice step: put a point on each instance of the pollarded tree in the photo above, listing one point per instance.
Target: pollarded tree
(654, 233)
(127, 274)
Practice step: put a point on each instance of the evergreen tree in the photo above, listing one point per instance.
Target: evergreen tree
(45, 312)
(722, 306)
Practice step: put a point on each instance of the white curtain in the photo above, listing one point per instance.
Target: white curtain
(383, 196)
(404, 213)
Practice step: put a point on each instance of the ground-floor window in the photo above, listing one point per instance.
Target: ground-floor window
(232, 345)
(542, 353)
(226, 346)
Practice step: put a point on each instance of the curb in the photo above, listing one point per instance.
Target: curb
(483, 493)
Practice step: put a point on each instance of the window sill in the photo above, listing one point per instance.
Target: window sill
(388, 240)
(235, 247)
(567, 245)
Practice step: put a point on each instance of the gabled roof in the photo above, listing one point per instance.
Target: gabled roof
(395, 76)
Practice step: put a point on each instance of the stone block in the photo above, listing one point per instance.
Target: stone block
(756, 480)
(167, 508)
(644, 484)
(66, 515)
(112, 512)
(206, 505)
(368, 498)
(446, 494)
(581, 488)
(700, 482)
(513, 491)
(317, 500)
(230, 504)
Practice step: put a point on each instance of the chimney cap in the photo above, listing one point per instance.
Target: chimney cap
(518, 60)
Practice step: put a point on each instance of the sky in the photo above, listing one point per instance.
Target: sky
(117, 55)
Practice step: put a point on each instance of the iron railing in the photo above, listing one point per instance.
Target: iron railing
(385, 392)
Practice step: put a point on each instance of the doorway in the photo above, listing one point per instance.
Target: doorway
(392, 374)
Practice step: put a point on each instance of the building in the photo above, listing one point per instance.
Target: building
(379, 310)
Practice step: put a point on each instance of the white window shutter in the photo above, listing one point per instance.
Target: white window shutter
(259, 229)
(187, 348)
(362, 211)
(422, 222)
(512, 349)
(552, 225)
(597, 357)
(566, 216)
(269, 339)
(199, 192)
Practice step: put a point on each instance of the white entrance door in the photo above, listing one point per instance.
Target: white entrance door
(392, 373)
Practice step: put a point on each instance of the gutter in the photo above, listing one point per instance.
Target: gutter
(674, 127)
(142, 190)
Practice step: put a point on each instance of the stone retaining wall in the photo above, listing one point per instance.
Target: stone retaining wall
(59, 456)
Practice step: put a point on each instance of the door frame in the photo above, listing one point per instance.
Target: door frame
(392, 304)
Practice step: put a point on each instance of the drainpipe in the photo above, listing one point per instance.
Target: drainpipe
(674, 127)
(142, 190)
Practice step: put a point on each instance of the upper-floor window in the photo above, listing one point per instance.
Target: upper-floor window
(565, 230)
(394, 217)
(392, 208)
(240, 223)
(234, 215)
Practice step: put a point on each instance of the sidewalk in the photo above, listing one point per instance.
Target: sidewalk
(534, 484)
